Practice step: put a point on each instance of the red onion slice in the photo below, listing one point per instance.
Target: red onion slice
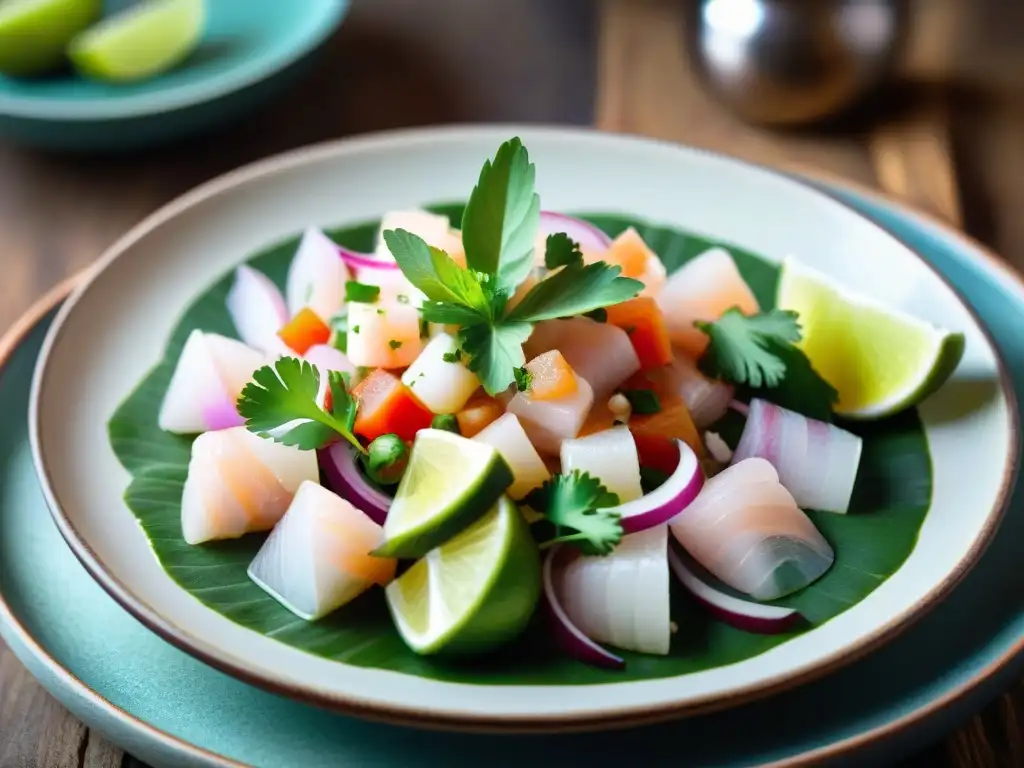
(357, 260)
(345, 479)
(583, 232)
(669, 499)
(742, 614)
(568, 634)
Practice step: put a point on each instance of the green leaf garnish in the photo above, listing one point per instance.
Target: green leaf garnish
(361, 293)
(524, 379)
(502, 216)
(560, 250)
(576, 289)
(435, 273)
(642, 401)
(394, 344)
(452, 357)
(757, 351)
(495, 351)
(339, 331)
(280, 404)
(577, 504)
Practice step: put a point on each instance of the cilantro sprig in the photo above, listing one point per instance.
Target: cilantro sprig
(576, 504)
(759, 352)
(499, 229)
(280, 404)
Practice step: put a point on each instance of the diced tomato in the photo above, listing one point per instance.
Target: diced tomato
(553, 377)
(480, 411)
(305, 330)
(643, 321)
(654, 432)
(656, 452)
(386, 405)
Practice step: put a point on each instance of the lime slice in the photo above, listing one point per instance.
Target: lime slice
(475, 592)
(143, 41)
(881, 360)
(35, 33)
(449, 483)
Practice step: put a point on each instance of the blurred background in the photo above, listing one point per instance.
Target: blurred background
(922, 99)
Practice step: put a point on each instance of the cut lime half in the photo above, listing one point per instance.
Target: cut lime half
(881, 360)
(474, 593)
(140, 42)
(35, 33)
(449, 483)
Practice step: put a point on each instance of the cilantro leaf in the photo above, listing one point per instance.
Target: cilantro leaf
(361, 293)
(524, 379)
(576, 289)
(741, 347)
(577, 504)
(280, 404)
(499, 225)
(343, 405)
(452, 357)
(447, 313)
(757, 352)
(495, 351)
(643, 401)
(434, 272)
(560, 250)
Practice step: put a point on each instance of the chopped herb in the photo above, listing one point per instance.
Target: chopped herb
(395, 344)
(355, 329)
(599, 315)
(402, 298)
(452, 357)
(361, 293)
(577, 505)
(524, 379)
(447, 422)
(381, 312)
(560, 250)
(642, 401)
(280, 404)
(339, 331)
(630, 330)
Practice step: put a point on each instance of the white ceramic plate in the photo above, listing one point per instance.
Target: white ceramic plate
(112, 331)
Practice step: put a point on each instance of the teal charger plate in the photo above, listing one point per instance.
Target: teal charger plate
(170, 710)
(252, 50)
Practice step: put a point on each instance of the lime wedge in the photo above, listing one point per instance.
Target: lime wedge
(881, 360)
(473, 593)
(35, 33)
(143, 41)
(450, 482)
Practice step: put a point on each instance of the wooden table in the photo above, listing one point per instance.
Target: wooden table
(57, 214)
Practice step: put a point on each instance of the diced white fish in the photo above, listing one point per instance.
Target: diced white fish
(240, 483)
(433, 228)
(549, 422)
(317, 276)
(257, 309)
(509, 438)
(444, 386)
(706, 399)
(611, 457)
(747, 530)
(318, 556)
(383, 335)
(325, 359)
(209, 376)
(600, 353)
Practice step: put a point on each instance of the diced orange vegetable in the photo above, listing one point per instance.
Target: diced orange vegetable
(654, 432)
(630, 252)
(643, 321)
(479, 412)
(552, 377)
(599, 419)
(386, 405)
(305, 330)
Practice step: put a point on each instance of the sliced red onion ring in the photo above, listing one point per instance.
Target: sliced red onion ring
(344, 478)
(742, 614)
(668, 499)
(583, 232)
(568, 634)
(357, 260)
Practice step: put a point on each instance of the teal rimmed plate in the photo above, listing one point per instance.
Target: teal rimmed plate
(171, 710)
(251, 50)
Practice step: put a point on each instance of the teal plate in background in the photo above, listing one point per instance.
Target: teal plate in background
(252, 49)
(169, 709)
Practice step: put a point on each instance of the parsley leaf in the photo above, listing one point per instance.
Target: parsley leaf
(642, 401)
(758, 352)
(280, 404)
(560, 250)
(435, 273)
(495, 351)
(578, 502)
(395, 344)
(524, 379)
(446, 313)
(452, 357)
(499, 225)
(361, 293)
(576, 289)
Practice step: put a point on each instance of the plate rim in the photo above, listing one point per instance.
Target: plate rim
(16, 334)
(185, 96)
(467, 720)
